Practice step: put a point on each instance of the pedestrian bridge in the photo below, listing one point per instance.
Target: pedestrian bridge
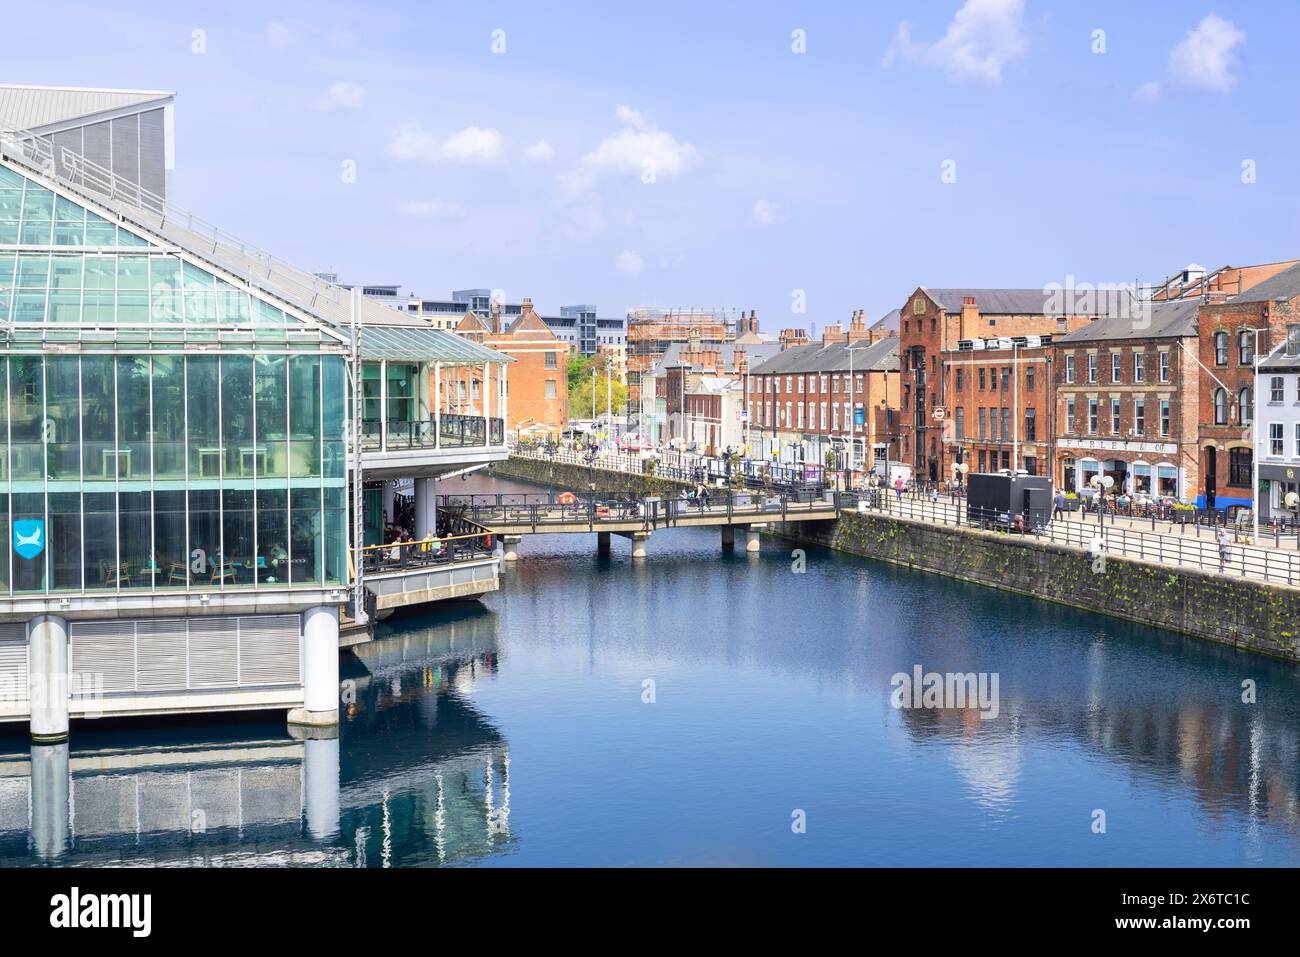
(412, 573)
(512, 516)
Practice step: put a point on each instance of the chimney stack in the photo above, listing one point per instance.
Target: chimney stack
(970, 312)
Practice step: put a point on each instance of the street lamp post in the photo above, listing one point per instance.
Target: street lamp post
(1101, 483)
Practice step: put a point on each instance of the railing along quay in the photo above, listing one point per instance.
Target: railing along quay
(1188, 550)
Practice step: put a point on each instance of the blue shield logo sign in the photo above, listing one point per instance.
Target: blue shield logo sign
(29, 537)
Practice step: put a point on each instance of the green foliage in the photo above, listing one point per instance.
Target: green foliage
(580, 368)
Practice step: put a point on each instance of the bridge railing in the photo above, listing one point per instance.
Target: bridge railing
(448, 431)
(1187, 550)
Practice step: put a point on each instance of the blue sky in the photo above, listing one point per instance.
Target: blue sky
(774, 171)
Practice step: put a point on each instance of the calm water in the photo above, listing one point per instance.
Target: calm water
(515, 732)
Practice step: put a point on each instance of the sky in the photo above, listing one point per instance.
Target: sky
(802, 160)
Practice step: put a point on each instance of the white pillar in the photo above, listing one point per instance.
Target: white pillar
(437, 404)
(510, 547)
(320, 667)
(752, 540)
(320, 775)
(47, 655)
(487, 403)
(388, 497)
(638, 544)
(426, 507)
(50, 786)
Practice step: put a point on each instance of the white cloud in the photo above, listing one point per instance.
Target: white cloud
(764, 213)
(474, 144)
(279, 35)
(431, 209)
(1205, 60)
(342, 96)
(540, 152)
(629, 117)
(629, 263)
(635, 149)
(1149, 92)
(981, 39)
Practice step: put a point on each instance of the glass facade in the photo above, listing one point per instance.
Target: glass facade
(218, 466)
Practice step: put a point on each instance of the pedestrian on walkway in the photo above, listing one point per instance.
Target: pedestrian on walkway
(1225, 549)
(1059, 505)
(898, 490)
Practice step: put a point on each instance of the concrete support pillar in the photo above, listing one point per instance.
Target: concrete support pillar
(510, 547)
(47, 669)
(602, 543)
(320, 777)
(728, 537)
(388, 497)
(638, 544)
(320, 668)
(426, 507)
(752, 539)
(50, 794)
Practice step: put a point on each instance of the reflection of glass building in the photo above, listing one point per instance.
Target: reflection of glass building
(176, 463)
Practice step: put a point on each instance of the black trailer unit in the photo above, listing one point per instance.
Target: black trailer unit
(996, 499)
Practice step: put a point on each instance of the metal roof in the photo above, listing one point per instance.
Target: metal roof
(879, 356)
(36, 107)
(1168, 320)
(420, 344)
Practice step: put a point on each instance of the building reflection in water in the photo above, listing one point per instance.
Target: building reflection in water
(435, 787)
(417, 776)
(1186, 728)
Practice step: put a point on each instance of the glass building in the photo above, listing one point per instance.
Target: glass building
(166, 429)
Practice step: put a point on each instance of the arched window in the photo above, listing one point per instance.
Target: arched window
(1221, 348)
(1220, 406)
(1246, 347)
(1245, 407)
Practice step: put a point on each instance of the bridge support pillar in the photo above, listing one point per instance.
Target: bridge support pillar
(320, 668)
(47, 656)
(752, 539)
(602, 543)
(320, 772)
(510, 547)
(638, 543)
(50, 792)
(426, 507)
(728, 537)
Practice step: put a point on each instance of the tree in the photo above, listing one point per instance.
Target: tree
(580, 368)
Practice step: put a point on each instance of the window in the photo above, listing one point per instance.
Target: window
(798, 384)
(1245, 410)
(550, 360)
(1069, 368)
(1139, 367)
(983, 461)
(981, 380)
(1029, 379)
(1092, 367)
(1114, 416)
(1220, 348)
(983, 418)
(1297, 440)
(1220, 407)
(1276, 389)
(1031, 433)
(1006, 425)
(1245, 347)
(1164, 367)
(1239, 467)
(1164, 416)
(1092, 415)
(961, 423)
(1006, 379)
(1069, 415)
(1275, 439)
(1114, 367)
(1167, 480)
(1140, 416)
(550, 388)
(959, 381)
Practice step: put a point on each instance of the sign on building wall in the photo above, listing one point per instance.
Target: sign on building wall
(29, 537)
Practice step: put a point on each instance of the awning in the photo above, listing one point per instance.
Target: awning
(413, 344)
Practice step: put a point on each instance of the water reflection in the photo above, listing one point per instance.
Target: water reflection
(417, 776)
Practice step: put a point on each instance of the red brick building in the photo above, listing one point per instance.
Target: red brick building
(933, 324)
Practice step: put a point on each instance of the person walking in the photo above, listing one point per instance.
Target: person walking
(898, 490)
(1058, 505)
(1225, 549)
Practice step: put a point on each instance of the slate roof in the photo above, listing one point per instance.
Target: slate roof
(1002, 302)
(1168, 320)
(1285, 285)
(880, 356)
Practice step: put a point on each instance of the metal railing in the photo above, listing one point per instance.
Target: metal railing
(1187, 550)
(450, 430)
(426, 553)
